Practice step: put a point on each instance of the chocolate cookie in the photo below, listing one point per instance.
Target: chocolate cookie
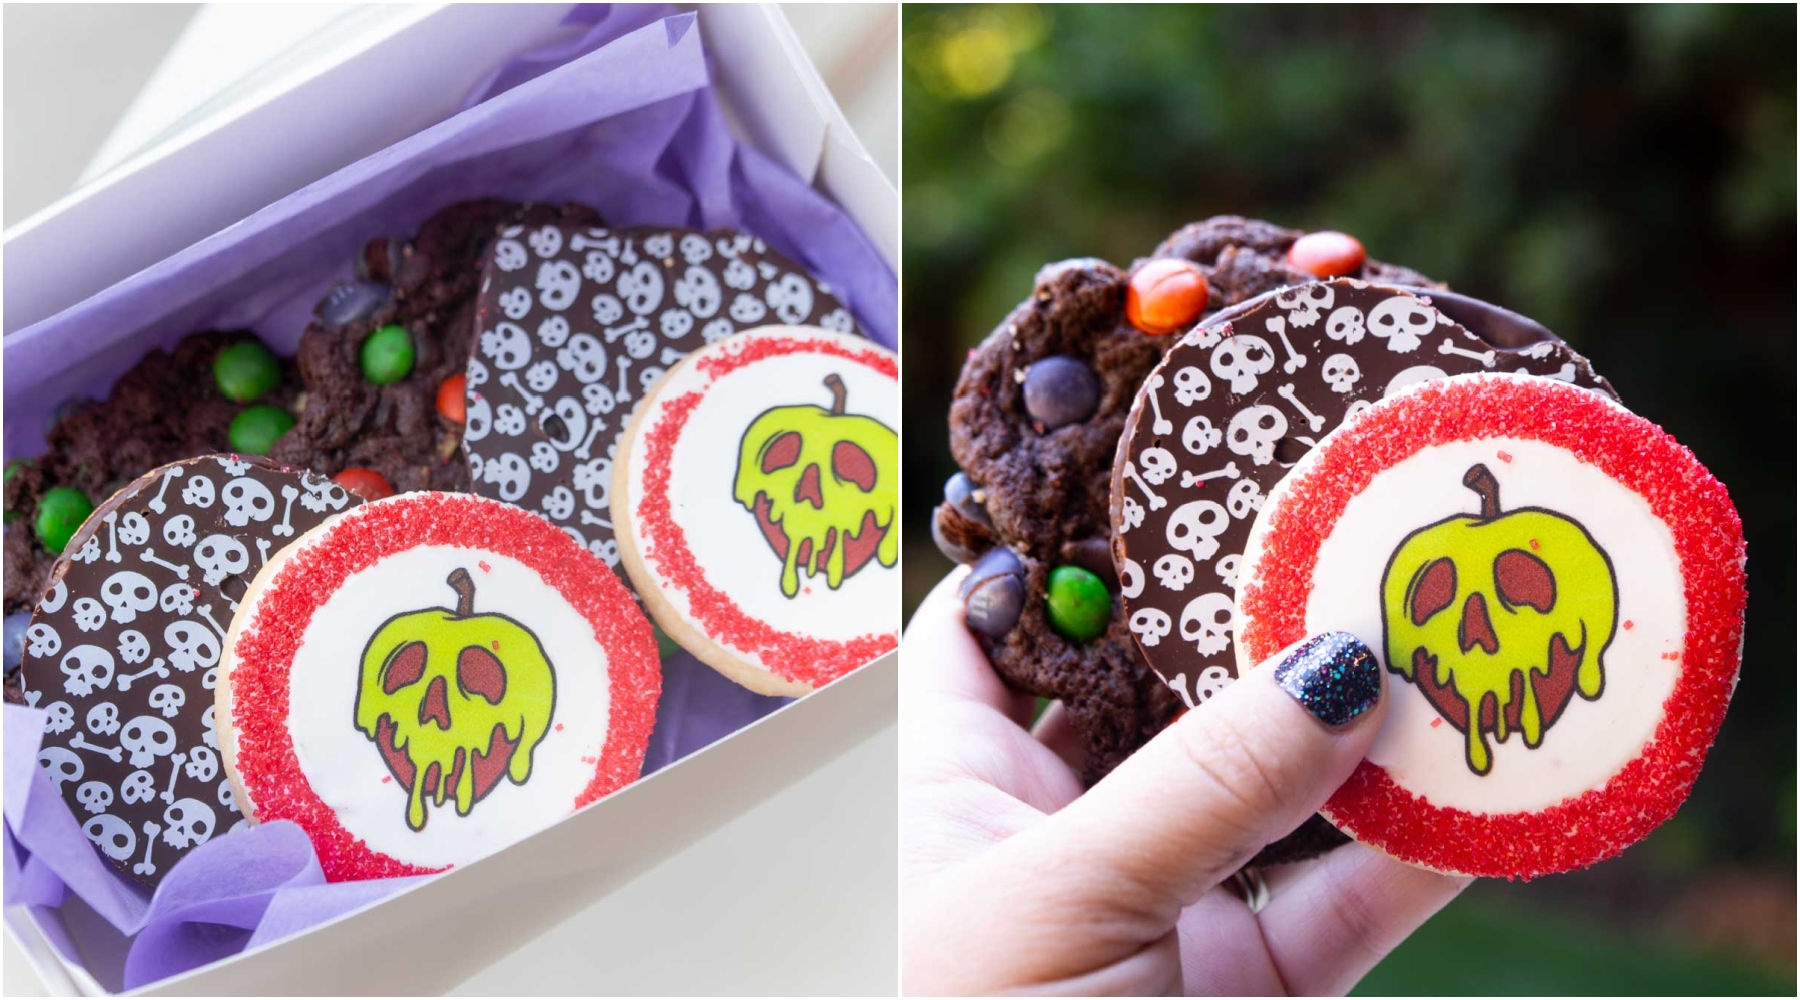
(123, 650)
(1034, 426)
(426, 287)
(1230, 410)
(166, 408)
(577, 324)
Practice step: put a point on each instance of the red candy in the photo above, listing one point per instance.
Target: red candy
(1166, 296)
(1327, 254)
(365, 483)
(450, 401)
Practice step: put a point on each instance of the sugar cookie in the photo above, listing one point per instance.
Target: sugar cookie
(756, 492)
(1556, 589)
(430, 678)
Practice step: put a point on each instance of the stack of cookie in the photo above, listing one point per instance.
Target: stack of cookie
(413, 628)
(1065, 384)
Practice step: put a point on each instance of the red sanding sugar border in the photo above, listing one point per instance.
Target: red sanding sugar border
(790, 655)
(1709, 543)
(265, 759)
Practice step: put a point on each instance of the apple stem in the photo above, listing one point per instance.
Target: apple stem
(1479, 479)
(464, 585)
(838, 393)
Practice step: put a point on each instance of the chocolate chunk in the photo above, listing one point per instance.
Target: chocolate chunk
(350, 302)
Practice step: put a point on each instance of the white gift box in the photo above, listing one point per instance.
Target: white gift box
(209, 176)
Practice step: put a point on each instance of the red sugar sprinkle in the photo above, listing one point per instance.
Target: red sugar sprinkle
(1505, 456)
(1534, 545)
(494, 643)
(1709, 543)
(1436, 721)
(356, 540)
(1627, 624)
(485, 568)
(790, 655)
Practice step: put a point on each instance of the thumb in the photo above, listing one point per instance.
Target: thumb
(1237, 773)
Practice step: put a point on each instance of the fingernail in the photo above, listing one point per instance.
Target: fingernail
(1333, 676)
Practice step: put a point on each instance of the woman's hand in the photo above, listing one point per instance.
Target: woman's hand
(1013, 879)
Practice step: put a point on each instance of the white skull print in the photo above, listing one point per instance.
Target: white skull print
(746, 308)
(698, 292)
(1240, 359)
(607, 309)
(642, 288)
(557, 282)
(1402, 321)
(546, 241)
(791, 297)
(509, 255)
(1206, 622)
(1305, 302)
(553, 331)
(515, 303)
(1254, 432)
(1341, 372)
(1346, 324)
(507, 345)
(541, 376)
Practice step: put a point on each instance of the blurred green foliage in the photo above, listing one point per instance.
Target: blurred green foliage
(1626, 175)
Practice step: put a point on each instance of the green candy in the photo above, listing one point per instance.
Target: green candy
(253, 432)
(1077, 602)
(59, 513)
(12, 468)
(387, 356)
(245, 371)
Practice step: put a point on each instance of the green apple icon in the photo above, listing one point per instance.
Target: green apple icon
(1499, 617)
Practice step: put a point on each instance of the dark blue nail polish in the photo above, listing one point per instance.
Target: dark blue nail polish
(1333, 676)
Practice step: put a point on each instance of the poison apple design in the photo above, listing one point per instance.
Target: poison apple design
(454, 700)
(823, 486)
(1499, 617)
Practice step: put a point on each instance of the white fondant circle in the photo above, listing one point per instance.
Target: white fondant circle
(721, 533)
(346, 770)
(1422, 752)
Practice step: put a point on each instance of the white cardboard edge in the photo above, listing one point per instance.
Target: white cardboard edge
(528, 887)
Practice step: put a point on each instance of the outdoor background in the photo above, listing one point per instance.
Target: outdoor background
(1624, 175)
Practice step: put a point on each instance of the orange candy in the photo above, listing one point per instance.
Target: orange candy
(1327, 254)
(365, 483)
(450, 400)
(1166, 296)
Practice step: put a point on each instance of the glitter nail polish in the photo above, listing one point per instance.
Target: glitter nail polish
(1333, 676)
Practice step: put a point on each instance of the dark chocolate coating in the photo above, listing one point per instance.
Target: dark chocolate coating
(1203, 444)
(1046, 491)
(349, 421)
(124, 649)
(576, 324)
